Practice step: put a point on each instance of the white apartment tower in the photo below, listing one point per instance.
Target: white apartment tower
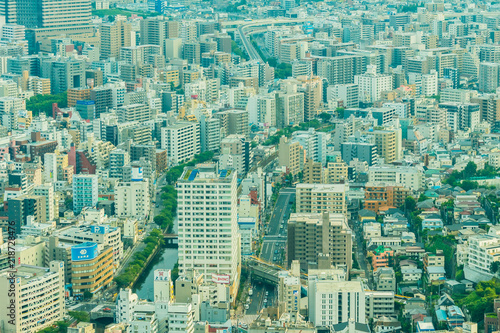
(132, 198)
(208, 230)
(332, 302)
(38, 299)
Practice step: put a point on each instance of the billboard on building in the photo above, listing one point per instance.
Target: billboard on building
(85, 251)
(220, 278)
(137, 174)
(162, 275)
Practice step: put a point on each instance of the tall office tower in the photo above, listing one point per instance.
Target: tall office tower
(318, 198)
(85, 192)
(311, 235)
(118, 158)
(191, 52)
(208, 230)
(371, 85)
(332, 301)
(155, 30)
(47, 191)
(113, 37)
(488, 76)
(39, 291)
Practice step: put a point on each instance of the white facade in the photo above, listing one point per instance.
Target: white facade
(409, 177)
(371, 85)
(132, 199)
(483, 250)
(333, 302)
(181, 140)
(180, 318)
(208, 230)
(36, 295)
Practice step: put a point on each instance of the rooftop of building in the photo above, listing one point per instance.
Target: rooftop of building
(206, 172)
(26, 273)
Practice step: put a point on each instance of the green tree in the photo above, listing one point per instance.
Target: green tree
(87, 295)
(410, 204)
(495, 265)
(325, 117)
(422, 197)
(470, 170)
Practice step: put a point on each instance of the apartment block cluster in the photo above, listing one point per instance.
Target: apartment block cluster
(354, 107)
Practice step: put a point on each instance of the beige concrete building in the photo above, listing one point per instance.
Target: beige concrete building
(37, 297)
(312, 234)
(291, 155)
(318, 198)
(113, 37)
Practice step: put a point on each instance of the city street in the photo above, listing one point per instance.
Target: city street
(275, 238)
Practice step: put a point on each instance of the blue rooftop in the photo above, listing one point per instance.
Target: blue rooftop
(193, 174)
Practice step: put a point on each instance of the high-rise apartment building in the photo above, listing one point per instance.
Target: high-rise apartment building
(181, 140)
(209, 133)
(347, 95)
(388, 144)
(331, 301)
(51, 209)
(85, 192)
(113, 37)
(118, 158)
(156, 30)
(208, 230)
(318, 198)
(371, 85)
(312, 234)
(38, 299)
(233, 121)
(133, 112)
(132, 199)
(488, 76)
(23, 206)
(291, 155)
(363, 151)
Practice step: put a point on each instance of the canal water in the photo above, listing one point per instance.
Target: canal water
(166, 259)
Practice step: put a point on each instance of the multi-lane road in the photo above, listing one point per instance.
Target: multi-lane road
(275, 239)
